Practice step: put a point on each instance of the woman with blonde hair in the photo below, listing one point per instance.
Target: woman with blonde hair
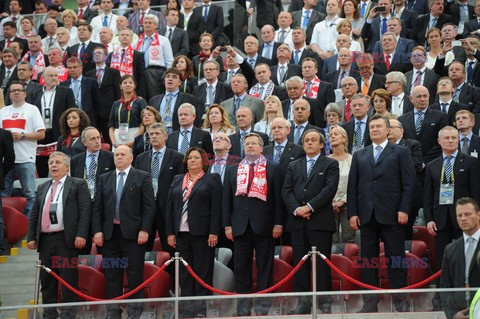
(216, 120)
(273, 109)
(69, 20)
(345, 27)
(339, 144)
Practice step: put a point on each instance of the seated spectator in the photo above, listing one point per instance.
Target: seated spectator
(28, 28)
(273, 109)
(70, 19)
(72, 123)
(381, 101)
(216, 120)
(125, 117)
(345, 27)
(142, 142)
(185, 66)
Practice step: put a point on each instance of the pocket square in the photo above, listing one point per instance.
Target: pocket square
(106, 168)
(462, 170)
(432, 124)
(170, 167)
(320, 173)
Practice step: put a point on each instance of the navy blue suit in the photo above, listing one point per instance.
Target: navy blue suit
(90, 97)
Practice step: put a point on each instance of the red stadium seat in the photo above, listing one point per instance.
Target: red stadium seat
(157, 245)
(351, 250)
(16, 202)
(16, 224)
(345, 264)
(421, 233)
(91, 281)
(417, 271)
(161, 258)
(416, 247)
(280, 270)
(106, 147)
(158, 288)
(285, 253)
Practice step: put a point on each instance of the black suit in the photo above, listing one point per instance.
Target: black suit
(273, 60)
(377, 205)
(87, 57)
(24, 42)
(235, 141)
(90, 97)
(222, 93)
(466, 184)
(306, 53)
(214, 23)
(471, 25)
(350, 128)
(171, 166)
(7, 155)
(105, 164)
(252, 221)
(454, 10)
(400, 63)
(76, 205)
(332, 77)
(198, 137)
(409, 22)
(204, 219)
(317, 190)
(430, 80)
(291, 135)
(473, 146)
(260, 59)
(88, 14)
(453, 276)
(452, 111)
(423, 22)
(137, 212)
(433, 122)
(292, 70)
(470, 96)
(178, 40)
(377, 81)
(195, 27)
(315, 17)
(156, 102)
(13, 77)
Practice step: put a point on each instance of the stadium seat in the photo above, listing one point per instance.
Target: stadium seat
(280, 270)
(417, 271)
(16, 224)
(158, 288)
(345, 264)
(416, 247)
(157, 245)
(223, 277)
(285, 253)
(106, 147)
(161, 258)
(224, 255)
(421, 233)
(91, 281)
(16, 202)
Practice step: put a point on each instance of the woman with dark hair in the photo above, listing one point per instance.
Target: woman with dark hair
(351, 12)
(216, 120)
(185, 66)
(28, 28)
(206, 42)
(193, 225)
(175, 4)
(381, 101)
(125, 117)
(149, 116)
(435, 48)
(72, 123)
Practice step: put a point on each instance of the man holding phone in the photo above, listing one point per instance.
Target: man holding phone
(376, 24)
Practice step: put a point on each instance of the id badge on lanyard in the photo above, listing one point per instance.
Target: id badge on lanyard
(123, 131)
(446, 194)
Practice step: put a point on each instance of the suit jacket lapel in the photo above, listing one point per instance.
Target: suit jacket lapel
(315, 167)
(66, 190)
(129, 180)
(388, 149)
(197, 185)
(166, 158)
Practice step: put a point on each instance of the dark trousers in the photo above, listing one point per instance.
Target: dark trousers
(53, 246)
(444, 237)
(393, 237)
(153, 78)
(102, 126)
(119, 247)
(201, 257)
(264, 247)
(42, 161)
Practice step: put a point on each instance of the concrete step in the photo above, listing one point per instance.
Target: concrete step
(16, 299)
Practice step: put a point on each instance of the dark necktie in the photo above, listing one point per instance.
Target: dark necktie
(121, 182)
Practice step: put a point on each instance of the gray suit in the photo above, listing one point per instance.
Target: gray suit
(254, 104)
(430, 80)
(315, 17)
(179, 40)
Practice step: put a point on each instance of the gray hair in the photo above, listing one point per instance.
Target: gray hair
(392, 34)
(332, 107)
(188, 106)
(158, 125)
(30, 68)
(398, 76)
(151, 17)
(66, 158)
(447, 128)
(85, 130)
(295, 78)
(260, 141)
(287, 122)
(240, 75)
(54, 48)
(350, 79)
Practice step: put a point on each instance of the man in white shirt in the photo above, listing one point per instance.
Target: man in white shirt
(25, 123)
(106, 37)
(325, 32)
(15, 6)
(106, 19)
(395, 85)
(50, 40)
(284, 32)
(122, 24)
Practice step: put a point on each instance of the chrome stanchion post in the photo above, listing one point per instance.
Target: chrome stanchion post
(314, 282)
(36, 292)
(177, 282)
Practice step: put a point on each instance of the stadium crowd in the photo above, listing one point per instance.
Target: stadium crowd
(342, 118)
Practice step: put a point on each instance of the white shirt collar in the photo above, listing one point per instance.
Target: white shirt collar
(475, 235)
(127, 170)
(382, 145)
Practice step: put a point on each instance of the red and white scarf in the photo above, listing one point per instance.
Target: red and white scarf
(267, 91)
(313, 88)
(39, 63)
(189, 186)
(125, 64)
(155, 52)
(62, 72)
(259, 186)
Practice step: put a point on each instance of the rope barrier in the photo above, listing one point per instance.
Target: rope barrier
(265, 291)
(367, 286)
(89, 298)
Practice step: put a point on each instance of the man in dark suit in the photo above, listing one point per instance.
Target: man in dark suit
(472, 26)
(213, 91)
(369, 81)
(244, 119)
(135, 19)
(435, 19)
(307, 18)
(187, 135)
(85, 90)
(461, 12)
(445, 102)
(10, 32)
(8, 69)
(121, 224)
(376, 217)
(254, 56)
(331, 63)
(404, 45)
(300, 50)
(7, 159)
(163, 164)
(236, 65)
(24, 73)
(376, 25)
(269, 48)
(408, 19)
(313, 87)
(213, 17)
(472, 45)
(345, 59)
(423, 123)
(464, 93)
(454, 171)
(395, 85)
(195, 26)
(84, 49)
(283, 67)
(84, 12)
(421, 75)
(267, 12)
(178, 37)
(167, 104)
(252, 221)
(108, 81)
(300, 124)
(265, 87)
(56, 99)
(357, 127)
(58, 229)
(468, 142)
(391, 60)
(460, 267)
(310, 185)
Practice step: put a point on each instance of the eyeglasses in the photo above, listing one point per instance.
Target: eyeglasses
(391, 82)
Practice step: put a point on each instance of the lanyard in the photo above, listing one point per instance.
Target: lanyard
(452, 178)
(58, 194)
(85, 169)
(52, 96)
(185, 86)
(120, 109)
(199, 69)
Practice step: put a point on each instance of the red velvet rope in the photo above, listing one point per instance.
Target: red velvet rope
(89, 298)
(265, 291)
(367, 286)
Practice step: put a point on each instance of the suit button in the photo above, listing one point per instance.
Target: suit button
(305, 190)
(374, 182)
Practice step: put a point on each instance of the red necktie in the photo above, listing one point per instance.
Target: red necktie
(80, 14)
(347, 110)
(14, 19)
(141, 18)
(46, 210)
(250, 175)
(8, 43)
(387, 61)
(99, 75)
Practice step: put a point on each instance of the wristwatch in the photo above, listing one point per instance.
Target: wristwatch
(23, 136)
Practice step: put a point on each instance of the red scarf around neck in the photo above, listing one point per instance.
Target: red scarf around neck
(69, 139)
(127, 104)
